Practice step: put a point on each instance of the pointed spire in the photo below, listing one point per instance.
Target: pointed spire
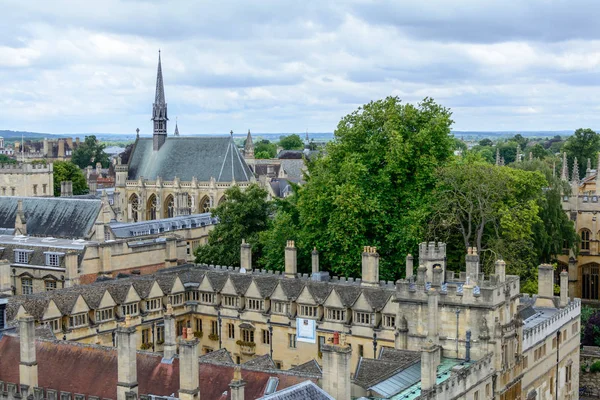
(159, 97)
(249, 147)
(564, 175)
(176, 128)
(575, 177)
(497, 156)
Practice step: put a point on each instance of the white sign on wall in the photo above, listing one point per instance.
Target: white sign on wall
(306, 330)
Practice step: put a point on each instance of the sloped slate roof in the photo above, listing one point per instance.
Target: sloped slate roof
(292, 287)
(310, 367)
(217, 280)
(60, 217)
(303, 391)
(377, 298)
(319, 291)
(263, 362)
(241, 282)
(348, 294)
(266, 285)
(188, 157)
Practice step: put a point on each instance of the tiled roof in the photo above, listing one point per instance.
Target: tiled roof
(371, 371)
(303, 391)
(60, 217)
(292, 288)
(310, 367)
(188, 157)
(377, 298)
(241, 282)
(262, 362)
(319, 290)
(266, 285)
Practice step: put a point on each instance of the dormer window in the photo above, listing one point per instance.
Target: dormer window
(363, 318)
(207, 298)
(335, 314)
(280, 307)
(129, 309)
(154, 304)
(53, 259)
(308, 311)
(255, 304)
(22, 256)
(78, 320)
(176, 299)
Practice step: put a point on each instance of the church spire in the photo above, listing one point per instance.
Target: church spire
(159, 110)
(249, 147)
(176, 128)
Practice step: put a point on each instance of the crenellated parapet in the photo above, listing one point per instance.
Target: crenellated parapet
(533, 332)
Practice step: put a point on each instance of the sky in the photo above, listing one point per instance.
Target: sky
(290, 66)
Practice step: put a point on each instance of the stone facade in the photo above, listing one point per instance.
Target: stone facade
(27, 179)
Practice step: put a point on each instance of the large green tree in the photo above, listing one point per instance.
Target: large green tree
(90, 152)
(265, 149)
(583, 144)
(67, 171)
(373, 184)
(243, 215)
(291, 142)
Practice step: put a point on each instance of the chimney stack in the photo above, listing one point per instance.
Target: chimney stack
(315, 260)
(5, 281)
(336, 370)
(20, 220)
(472, 261)
(370, 267)
(409, 266)
(66, 189)
(170, 345)
(433, 316)
(564, 288)
(189, 382)
(28, 366)
(127, 384)
(237, 384)
(500, 271)
(246, 256)
(430, 351)
(421, 274)
(545, 286)
(291, 262)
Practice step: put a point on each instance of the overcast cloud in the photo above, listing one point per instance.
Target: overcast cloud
(287, 66)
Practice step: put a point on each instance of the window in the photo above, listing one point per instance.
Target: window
(106, 234)
(27, 285)
(553, 342)
(362, 318)
(105, 314)
(205, 204)
(199, 325)
(255, 304)
(476, 395)
(180, 327)
(487, 390)
(575, 328)
(585, 239)
(247, 335)
(280, 307)
(336, 314)
(192, 295)
(214, 328)
(266, 337)
(292, 340)
(176, 299)
(54, 325)
(308, 311)
(45, 188)
(146, 336)
(361, 350)
(52, 259)
(160, 334)
(34, 190)
(551, 386)
(231, 301)
(3, 190)
(129, 309)
(525, 362)
(153, 304)
(50, 285)
(568, 373)
(12, 191)
(278, 364)
(78, 320)
(207, 298)
(389, 321)
(21, 256)
(231, 331)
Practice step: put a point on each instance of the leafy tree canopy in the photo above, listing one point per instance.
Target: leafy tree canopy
(4, 159)
(67, 171)
(291, 142)
(265, 149)
(486, 142)
(243, 215)
(90, 152)
(583, 144)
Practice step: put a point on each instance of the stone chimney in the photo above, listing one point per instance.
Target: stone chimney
(246, 257)
(370, 267)
(291, 261)
(500, 270)
(72, 269)
(20, 220)
(170, 251)
(66, 189)
(61, 147)
(189, 382)
(315, 260)
(564, 288)
(5, 281)
(127, 363)
(438, 278)
(237, 384)
(598, 174)
(28, 368)
(472, 261)
(430, 351)
(409, 266)
(421, 274)
(545, 286)
(336, 370)
(170, 345)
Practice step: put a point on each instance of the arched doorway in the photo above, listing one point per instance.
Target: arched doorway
(169, 209)
(151, 208)
(134, 203)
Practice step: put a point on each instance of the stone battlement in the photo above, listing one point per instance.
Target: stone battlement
(432, 251)
(12, 391)
(534, 333)
(24, 168)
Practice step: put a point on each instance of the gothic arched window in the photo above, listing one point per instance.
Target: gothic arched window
(585, 239)
(151, 208)
(205, 204)
(222, 199)
(135, 207)
(169, 207)
(190, 204)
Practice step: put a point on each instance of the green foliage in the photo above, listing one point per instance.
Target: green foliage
(4, 159)
(213, 336)
(583, 144)
(529, 286)
(89, 153)
(146, 346)
(243, 215)
(486, 142)
(67, 171)
(520, 140)
(373, 185)
(245, 343)
(198, 334)
(460, 145)
(595, 367)
(265, 149)
(538, 151)
(291, 142)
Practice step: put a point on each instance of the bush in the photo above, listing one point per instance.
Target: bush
(595, 367)
(244, 343)
(146, 346)
(591, 330)
(198, 334)
(213, 336)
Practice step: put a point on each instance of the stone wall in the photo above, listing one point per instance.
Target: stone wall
(587, 379)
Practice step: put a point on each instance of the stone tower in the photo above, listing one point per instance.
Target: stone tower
(159, 111)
